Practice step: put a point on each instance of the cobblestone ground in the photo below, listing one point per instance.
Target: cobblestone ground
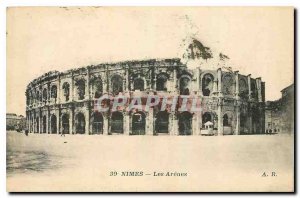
(212, 163)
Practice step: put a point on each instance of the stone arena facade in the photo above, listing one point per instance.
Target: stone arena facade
(64, 102)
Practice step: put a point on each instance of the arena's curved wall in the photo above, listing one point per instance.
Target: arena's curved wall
(64, 102)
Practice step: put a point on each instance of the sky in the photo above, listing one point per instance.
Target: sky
(258, 40)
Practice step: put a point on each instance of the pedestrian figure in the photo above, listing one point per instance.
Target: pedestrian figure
(62, 133)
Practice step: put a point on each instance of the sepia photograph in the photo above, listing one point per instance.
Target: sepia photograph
(150, 99)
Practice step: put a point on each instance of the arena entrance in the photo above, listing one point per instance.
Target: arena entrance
(116, 122)
(44, 124)
(138, 123)
(162, 122)
(97, 123)
(80, 123)
(53, 124)
(227, 125)
(185, 123)
(65, 124)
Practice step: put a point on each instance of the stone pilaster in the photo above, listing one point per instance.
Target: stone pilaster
(238, 119)
(126, 122)
(249, 86)
(48, 121)
(87, 120)
(149, 122)
(175, 124)
(195, 124)
(105, 125)
(58, 121)
(88, 90)
(219, 82)
(259, 91)
(71, 127)
(175, 85)
(58, 91)
(237, 87)
(220, 117)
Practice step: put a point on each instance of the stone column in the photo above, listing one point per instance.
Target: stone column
(126, 123)
(126, 80)
(149, 122)
(87, 120)
(237, 87)
(40, 123)
(58, 121)
(72, 89)
(175, 86)
(195, 124)
(154, 82)
(71, 128)
(48, 121)
(105, 125)
(249, 86)
(87, 93)
(48, 93)
(215, 86)
(258, 85)
(219, 82)
(220, 117)
(58, 90)
(238, 120)
(175, 124)
(198, 88)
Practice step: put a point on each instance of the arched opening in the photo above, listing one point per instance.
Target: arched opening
(254, 92)
(97, 87)
(225, 120)
(243, 124)
(207, 117)
(243, 89)
(66, 88)
(185, 123)
(138, 84)
(54, 91)
(53, 124)
(116, 122)
(44, 124)
(138, 123)
(117, 84)
(80, 123)
(45, 95)
(80, 89)
(184, 85)
(37, 96)
(37, 120)
(227, 126)
(97, 123)
(228, 84)
(162, 122)
(65, 124)
(207, 84)
(161, 82)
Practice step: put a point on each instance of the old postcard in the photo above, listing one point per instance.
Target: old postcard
(150, 99)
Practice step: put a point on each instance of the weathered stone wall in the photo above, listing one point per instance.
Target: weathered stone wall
(63, 102)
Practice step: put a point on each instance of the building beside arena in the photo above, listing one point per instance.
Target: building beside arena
(280, 113)
(15, 122)
(231, 103)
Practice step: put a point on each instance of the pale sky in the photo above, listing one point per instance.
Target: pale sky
(259, 41)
